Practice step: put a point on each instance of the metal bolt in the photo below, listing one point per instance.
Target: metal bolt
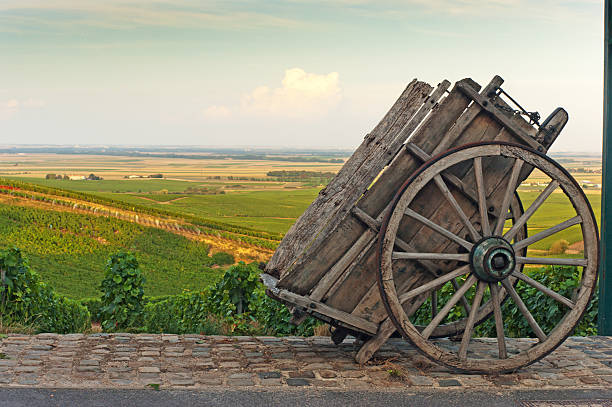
(499, 261)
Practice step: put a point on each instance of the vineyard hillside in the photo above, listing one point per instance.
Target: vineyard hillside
(69, 250)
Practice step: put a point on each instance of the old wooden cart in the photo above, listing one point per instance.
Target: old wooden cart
(426, 205)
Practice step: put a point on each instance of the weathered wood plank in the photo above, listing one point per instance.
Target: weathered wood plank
(341, 229)
(375, 199)
(491, 130)
(272, 283)
(354, 177)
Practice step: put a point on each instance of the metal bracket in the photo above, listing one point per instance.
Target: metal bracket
(490, 108)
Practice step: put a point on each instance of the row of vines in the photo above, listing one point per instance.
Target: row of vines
(195, 225)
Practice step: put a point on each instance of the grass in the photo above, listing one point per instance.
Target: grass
(270, 211)
(70, 251)
(556, 209)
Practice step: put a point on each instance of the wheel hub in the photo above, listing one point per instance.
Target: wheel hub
(492, 259)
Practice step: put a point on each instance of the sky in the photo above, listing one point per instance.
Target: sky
(295, 73)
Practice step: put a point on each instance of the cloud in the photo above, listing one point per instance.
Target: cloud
(33, 103)
(8, 109)
(11, 107)
(301, 94)
(128, 14)
(217, 112)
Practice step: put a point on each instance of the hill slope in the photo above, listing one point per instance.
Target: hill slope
(69, 250)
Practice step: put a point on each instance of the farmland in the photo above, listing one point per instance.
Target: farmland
(236, 193)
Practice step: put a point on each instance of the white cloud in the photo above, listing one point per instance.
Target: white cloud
(217, 112)
(11, 107)
(8, 109)
(301, 94)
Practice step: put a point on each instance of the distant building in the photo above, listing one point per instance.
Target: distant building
(76, 177)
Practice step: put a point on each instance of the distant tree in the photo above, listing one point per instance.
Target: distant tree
(156, 176)
(66, 176)
(50, 176)
(559, 247)
(93, 177)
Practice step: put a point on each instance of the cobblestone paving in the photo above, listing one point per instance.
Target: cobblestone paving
(196, 361)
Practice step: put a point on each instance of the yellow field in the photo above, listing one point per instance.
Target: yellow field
(115, 168)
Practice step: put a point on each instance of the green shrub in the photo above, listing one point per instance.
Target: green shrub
(122, 288)
(240, 298)
(94, 306)
(235, 291)
(26, 300)
(236, 305)
(222, 259)
(181, 314)
(547, 312)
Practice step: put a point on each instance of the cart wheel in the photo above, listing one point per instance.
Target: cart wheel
(454, 327)
(491, 262)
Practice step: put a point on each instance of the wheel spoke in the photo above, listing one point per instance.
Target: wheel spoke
(434, 303)
(469, 326)
(434, 283)
(464, 301)
(523, 308)
(499, 321)
(545, 233)
(447, 307)
(503, 210)
(437, 228)
(531, 210)
(482, 199)
(430, 256)
(539, 286)
(551, 261)
(453, 202)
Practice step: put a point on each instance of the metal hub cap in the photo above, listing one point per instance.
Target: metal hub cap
(492, 259)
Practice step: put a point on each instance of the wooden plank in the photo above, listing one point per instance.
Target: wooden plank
(493, 111)
(315, 306)
(355, 176)
(450, 178)
(341, 265)
(430, 256)
(366, 303)
(361, 281)
(341, 229)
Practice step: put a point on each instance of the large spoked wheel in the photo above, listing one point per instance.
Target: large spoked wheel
(455, 326)
(490, 263)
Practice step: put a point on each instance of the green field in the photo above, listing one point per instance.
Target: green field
(555, 210)
(70, 251)
(119, 186)
(276, 210)
(270, 211)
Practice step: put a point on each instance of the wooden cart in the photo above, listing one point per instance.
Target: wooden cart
(428, 204)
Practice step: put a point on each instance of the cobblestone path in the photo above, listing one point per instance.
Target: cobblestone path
(196, 361)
